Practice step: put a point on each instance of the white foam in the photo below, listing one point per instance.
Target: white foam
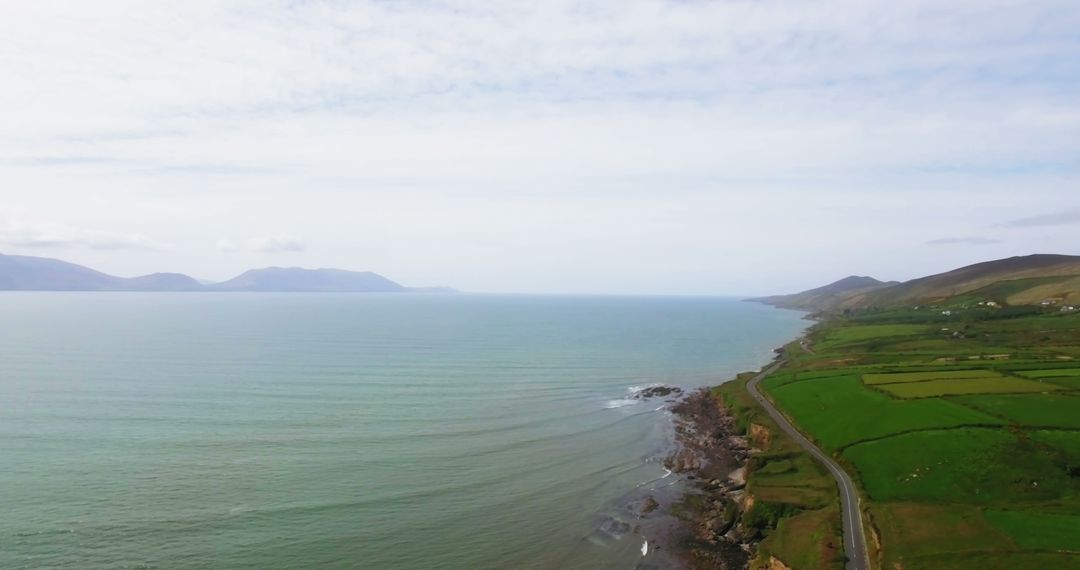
(667, 473)
(621, 403)
(639, 389)
(645, 548)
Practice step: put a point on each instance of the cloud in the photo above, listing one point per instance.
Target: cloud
(974, 240)
(46, 235)
(269, 244)
(1064, 218)
(529, 146)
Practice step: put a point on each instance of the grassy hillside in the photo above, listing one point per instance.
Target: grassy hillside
(962, 430)
(1016, 281)
(828, 297)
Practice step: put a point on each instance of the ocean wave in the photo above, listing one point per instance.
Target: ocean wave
(621, 403)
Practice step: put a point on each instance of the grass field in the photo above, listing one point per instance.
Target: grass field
(792, 478)
(809, 540)
(952, 387)
(966, 446)
(899, 377)
(1060, 409)
(929, 531)
(1039, 530)
(1053, 373)
(839, 411)
(968, 465)
(858, 333)
(1066, 442)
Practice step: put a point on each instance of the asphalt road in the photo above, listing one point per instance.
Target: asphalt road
(854, 539)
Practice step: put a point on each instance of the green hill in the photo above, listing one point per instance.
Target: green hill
(1023, 280)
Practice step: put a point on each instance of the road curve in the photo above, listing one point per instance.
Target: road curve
(854, 539)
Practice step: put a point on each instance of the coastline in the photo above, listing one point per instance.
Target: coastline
(712, 457)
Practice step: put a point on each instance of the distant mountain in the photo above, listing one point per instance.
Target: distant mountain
(295, 279)
(829, 296)
(25, 273)
(1022, 280)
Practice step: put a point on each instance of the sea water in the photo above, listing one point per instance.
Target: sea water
(383, 431)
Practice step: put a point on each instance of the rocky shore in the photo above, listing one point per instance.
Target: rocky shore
(712, 458)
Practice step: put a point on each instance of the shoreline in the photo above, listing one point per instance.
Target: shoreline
(711, 459)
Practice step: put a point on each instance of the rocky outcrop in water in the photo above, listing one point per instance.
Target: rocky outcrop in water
(660, 391)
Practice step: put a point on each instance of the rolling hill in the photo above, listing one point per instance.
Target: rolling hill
(828, 296)
(1022, 280)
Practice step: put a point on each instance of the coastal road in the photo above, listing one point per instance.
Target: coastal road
(854, 539)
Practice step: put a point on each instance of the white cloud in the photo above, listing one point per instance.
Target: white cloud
(971, 240)
(21, 233)
(530, 146)
(269, 244)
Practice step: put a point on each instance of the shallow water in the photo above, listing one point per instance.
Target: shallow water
(374, 431)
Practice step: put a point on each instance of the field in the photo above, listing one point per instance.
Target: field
(898, 377)
(1039, 530)
(807, 540)
(1058, 410)
(962, 432)
(1053, 373)
(839, 411)
(867, 332)
(1065, 441)
(953, 387)
(932, 531)
(968, 465)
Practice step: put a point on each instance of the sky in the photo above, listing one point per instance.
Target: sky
(627, 147)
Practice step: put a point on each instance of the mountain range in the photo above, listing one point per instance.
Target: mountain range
(25, 273)
(1022, 280)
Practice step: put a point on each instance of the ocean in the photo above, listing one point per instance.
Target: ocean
(382, 431)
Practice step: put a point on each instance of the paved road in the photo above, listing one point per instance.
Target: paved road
(854, 540)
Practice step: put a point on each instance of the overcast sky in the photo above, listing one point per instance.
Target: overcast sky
(618, 146)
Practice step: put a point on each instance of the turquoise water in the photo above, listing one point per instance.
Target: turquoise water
(347, 431)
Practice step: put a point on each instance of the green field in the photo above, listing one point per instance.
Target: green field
(1053, 373)
(839, 411)
(1061, 409)
(965, 442)
(898, 377)
(1039, 530)
(967, 465)
(930, 531)
(953, 387)
(866, 332)
(1066, 442)
(806, 540)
